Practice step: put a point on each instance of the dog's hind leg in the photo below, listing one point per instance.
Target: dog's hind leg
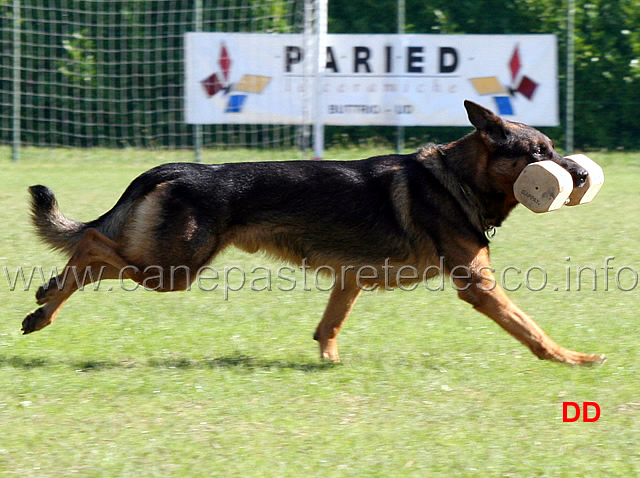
(343, 298)
(95, 259)
(64, 285)
(480, 289)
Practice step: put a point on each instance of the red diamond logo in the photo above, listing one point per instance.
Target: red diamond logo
(212, 85)
(225, 62)
(515, 64)
(527, 87)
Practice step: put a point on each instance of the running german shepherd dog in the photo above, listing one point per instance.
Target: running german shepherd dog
(416, 210)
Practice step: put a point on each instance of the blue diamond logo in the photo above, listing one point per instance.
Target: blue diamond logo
(235, 103)
(504, 105)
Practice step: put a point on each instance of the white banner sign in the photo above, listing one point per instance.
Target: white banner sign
(405, 80)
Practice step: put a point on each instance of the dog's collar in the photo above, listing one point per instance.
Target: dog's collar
(463, 194)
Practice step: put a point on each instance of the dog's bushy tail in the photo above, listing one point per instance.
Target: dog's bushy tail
(52, 226)
(63, 234)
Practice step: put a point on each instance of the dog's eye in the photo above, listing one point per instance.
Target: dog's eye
(540, 151)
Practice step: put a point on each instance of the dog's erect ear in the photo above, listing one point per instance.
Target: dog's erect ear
(485, 121)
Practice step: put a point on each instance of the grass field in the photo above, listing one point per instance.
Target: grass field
(188, 384)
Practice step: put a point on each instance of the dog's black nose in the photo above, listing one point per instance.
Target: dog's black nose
(582, 177)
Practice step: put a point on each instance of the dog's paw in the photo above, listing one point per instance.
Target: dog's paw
(570, 357)
(593, 359)
(46, 292)
(329, 357)
(36, 320)
(41, 295)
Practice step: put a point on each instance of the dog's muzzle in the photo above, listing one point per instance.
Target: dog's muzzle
(578, 173)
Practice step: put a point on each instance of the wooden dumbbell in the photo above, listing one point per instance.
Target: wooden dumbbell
(594, 181)
(543, 186)
(546, 186)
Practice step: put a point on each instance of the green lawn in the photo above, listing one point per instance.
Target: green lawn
(188, 384)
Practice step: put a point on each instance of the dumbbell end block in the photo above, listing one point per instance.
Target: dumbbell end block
(543, 186)
(594, 181)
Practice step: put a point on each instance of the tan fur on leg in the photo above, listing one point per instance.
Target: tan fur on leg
(343, 298)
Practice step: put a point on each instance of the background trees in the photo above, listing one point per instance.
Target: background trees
(98, 69)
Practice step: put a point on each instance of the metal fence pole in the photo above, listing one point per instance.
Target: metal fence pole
(307, 71)
(401, 25)
(197, 129)
(321, 19)
(15, 153)
(571, 14)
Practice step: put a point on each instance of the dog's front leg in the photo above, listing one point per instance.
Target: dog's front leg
(480, 289)
(343, 298)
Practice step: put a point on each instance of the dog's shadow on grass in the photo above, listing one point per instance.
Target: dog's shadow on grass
(239, 361)
(230, 362)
